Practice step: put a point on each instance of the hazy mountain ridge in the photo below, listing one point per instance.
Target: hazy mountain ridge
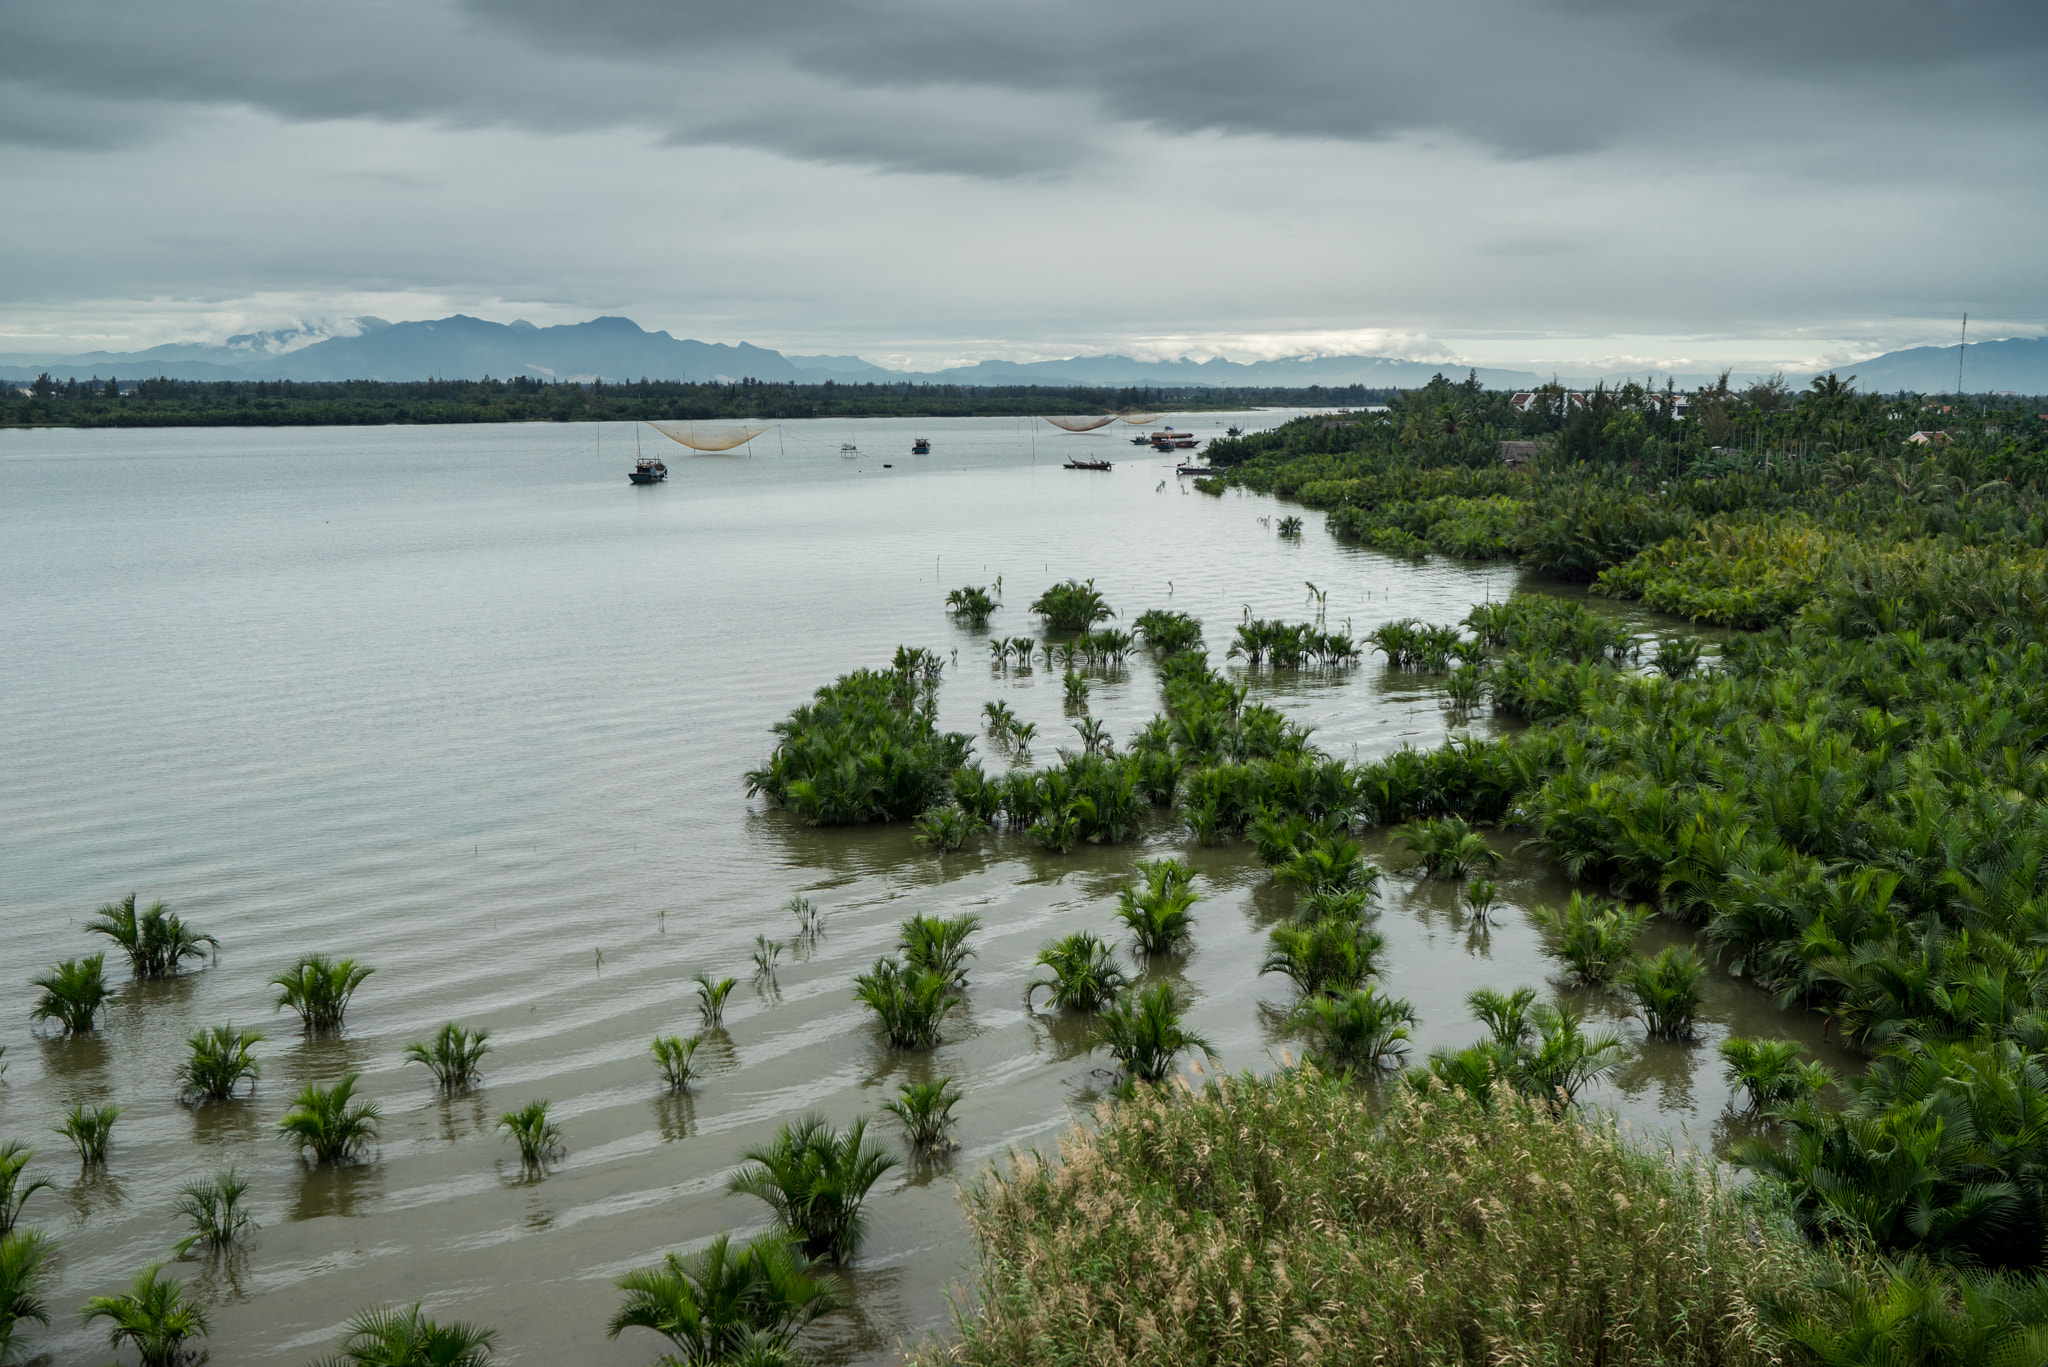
(612, 348)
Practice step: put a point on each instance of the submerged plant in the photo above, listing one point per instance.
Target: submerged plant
(926, 1110)
(406, 1337)
(1142, 1031)
(1480, 895)
(673, 1055)
(1447, 847)
(1332, 955)
(1289, 526)
(972, 605)
(214, 1208)
(16, 1183)
(330, 1123)
(319, 989)
(912, 1004)
(809, 920)
(1770, 1073)
(73, 993)
(945, 829)
(89, 1128)
(723, 1304)
(153, 1316)
(221, 1059)
(454, 1057)
(1667, 991)
(1563, 1058)
(155, 941)
(24, 1258)
(816, 1180)
(1677, 658)
(1076, 685)
(1158, 913)
(711, 995)
(766, 952)
(1083, 973)
(935, 944)
(1072, 606)
(539, 1138)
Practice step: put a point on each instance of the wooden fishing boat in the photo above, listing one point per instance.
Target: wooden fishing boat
(922, 446)
(648, 470)
(1193, 470)
(1088, 465)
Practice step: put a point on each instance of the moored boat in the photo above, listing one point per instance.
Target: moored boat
(1088, 465)
(922, 446)
(648, 470)
(1193, 470)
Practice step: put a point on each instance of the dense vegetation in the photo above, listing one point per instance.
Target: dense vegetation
(303, 403)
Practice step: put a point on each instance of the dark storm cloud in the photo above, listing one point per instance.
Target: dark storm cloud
(1027, 89)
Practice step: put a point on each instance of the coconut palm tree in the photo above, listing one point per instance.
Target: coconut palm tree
(155, 941)
(454, 1057)
(405, 1337)
(912, 1005)
(1142, 1031)
(1084, 973)
(330, 1123)
(215, 1209)
(73, 992)
(319, 988)
(1361, 1029)
(221, 1060)
(23, 1255)
(816, 1180)
(933, 944)
(539, 1138)
(16, 1184)
(926, 1110)
(727, 1305)
(153, 1316)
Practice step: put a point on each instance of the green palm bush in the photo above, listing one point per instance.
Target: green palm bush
(406, 1337)
(972, 605)
(674, 1055)
(1075, 685)
(1506, 1015)
(155, 941)
(1158, 913)
(454, 1056)
(945, 829)
(926, 1110)
(24, 1259)
(89, 1128)
(767, 953)
(1332, 955)
(911, 1004)
(214, 1209)
(17, 1184)
(152, 1316)
(539, 1138)
(221, 1059)
(1072, 605)
(816, 1181)
(809, 920)
(1480, 895)
(1677, 658)
(1667, 991)
(73, 993)
(319, 989)
(1770, 1073)
(1082, 972)
(1327, 863)
(1361, 1030)
(711, 995)
(1596, 937)
(330, 1123)
(1289, 526)
(1142, 1031)
(728, 1305)
(1563, 1059)
(1447, 847)
(933, 944)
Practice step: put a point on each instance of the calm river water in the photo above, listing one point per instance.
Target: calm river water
(461, 703)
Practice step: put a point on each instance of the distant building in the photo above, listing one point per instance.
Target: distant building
(1929, 438)
(1515, 453)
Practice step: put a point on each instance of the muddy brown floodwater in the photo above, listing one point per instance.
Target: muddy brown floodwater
(462, 704)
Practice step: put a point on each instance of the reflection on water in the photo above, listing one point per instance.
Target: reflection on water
(462, 705)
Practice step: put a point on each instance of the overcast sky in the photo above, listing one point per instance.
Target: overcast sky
(1756, 182)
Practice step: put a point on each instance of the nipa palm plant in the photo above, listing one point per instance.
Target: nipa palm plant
(152, 1316)
(24, 1258)
(816, 1181)
(17, 1184)
(1082, 973)
(1447, 847)
(723, 1304)
(539, 1138)
(406, 1337)
(711, 995)
(911, 1004)
(1770, 1073)
(1595, 937)
(156, 941)
(1142, 1031)
(926, 1110)
(935, 944)
(454, 1056)
(319, 989)
(73, 993)
(214, 1208)
(673, 1054)
(221, 1059)
(1667, 991)
(1158, 913)
(329, 1122)
(1362, 1029)
(1331, 955)
(89, 1128)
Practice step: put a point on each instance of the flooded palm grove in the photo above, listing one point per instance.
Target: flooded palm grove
(463, 705)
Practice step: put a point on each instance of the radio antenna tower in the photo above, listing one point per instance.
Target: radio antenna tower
(1960, 348)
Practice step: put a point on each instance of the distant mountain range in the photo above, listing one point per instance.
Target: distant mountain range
(462, 347)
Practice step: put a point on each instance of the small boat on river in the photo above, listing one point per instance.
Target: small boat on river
(648, 470)
(1234, 432)
(848, 449)
(1193, 470)
(1088, 465)
(922, 446)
